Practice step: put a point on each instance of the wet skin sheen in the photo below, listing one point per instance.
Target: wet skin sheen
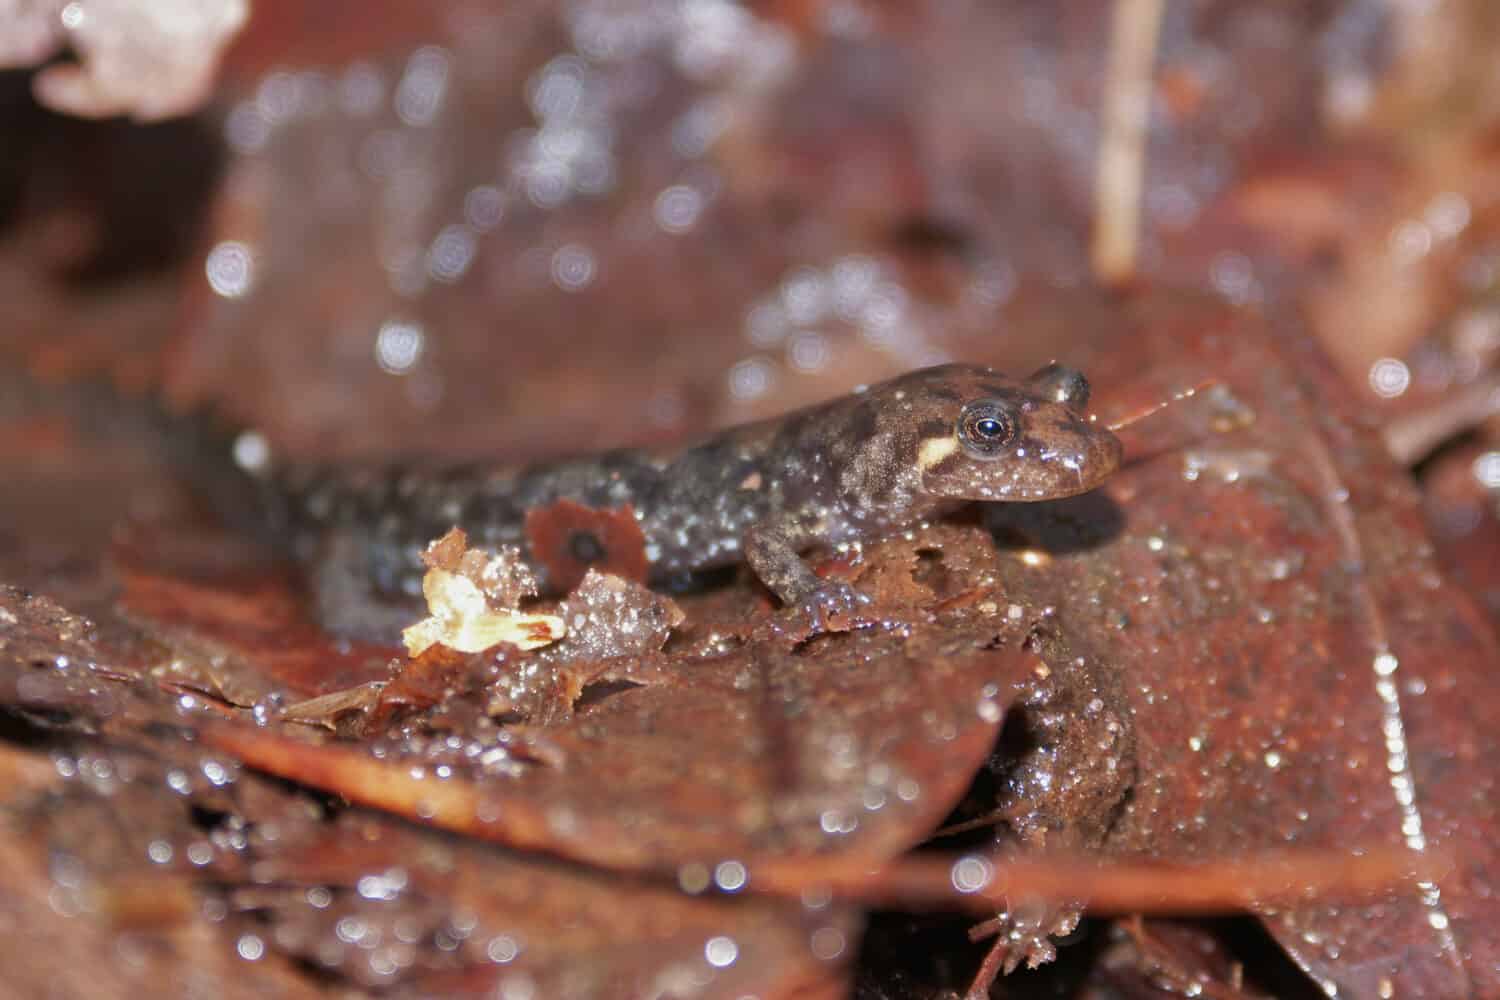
(857, 467)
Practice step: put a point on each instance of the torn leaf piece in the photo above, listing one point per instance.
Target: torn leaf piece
(616, 629)
(614, 617)
(325, 710)
(462, 620)
(471, 597)
(503, 576)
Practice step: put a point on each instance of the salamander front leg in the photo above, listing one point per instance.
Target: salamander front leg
(828, 605)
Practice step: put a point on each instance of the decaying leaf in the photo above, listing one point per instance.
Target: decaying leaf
(471, 601)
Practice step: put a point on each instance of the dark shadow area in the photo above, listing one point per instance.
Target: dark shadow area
(29, 729)
(1076, 524)
(907, 957)
(109, 199)
(593, 694)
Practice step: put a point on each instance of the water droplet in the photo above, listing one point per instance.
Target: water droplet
(451, 253)
(678, 207)
(971, 874)
(573, 267)
(750, 379)
(721, 951)
(827, 943)
(230, 269)
(483, 207)
(424, 85)
(502, 949)
(250, 947)
(808, 352)
(246, 129)
(693, 878)
(730, 876)
(399, 346)
(251, 451)
(1389, 377)
(1410, 241)
(1486, 470)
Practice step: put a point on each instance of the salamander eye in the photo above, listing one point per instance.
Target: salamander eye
(985, 427)
(1062, 385)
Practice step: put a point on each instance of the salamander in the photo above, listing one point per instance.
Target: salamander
(864, 465)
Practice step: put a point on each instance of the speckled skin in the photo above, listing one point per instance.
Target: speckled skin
(860, 466)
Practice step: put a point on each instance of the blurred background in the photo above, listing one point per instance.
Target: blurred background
(532, 228)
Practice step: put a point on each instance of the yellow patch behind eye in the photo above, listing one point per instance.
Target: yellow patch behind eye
(934, 450)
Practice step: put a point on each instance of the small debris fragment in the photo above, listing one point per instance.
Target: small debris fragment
(325, 709)
(471, 600)
(609, 617)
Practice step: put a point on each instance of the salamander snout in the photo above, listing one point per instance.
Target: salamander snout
(1064, 455)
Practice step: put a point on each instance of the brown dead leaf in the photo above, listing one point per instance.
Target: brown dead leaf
(1298, 671)
(856, 749)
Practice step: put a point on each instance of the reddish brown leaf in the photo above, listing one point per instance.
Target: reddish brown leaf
(570, 539)
(1298, 671)
(856, 751)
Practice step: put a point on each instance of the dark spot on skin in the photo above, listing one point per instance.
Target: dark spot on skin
(944, 392)
(933, 429)
(863, 421)
(999, 392)
(585, 547)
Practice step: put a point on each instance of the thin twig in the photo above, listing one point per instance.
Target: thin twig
(1122, 139)
(1413, 437)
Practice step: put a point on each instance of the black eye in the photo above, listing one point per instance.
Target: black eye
(986, 426)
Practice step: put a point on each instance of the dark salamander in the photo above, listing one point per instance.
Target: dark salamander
(860, 466)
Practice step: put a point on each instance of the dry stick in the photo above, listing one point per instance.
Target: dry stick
(982, 884)
(1413, 437)
(1122, 139)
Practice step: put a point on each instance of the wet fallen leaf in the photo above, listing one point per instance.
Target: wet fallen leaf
(1297, 669)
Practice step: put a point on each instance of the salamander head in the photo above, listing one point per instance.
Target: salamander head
(981, 435)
